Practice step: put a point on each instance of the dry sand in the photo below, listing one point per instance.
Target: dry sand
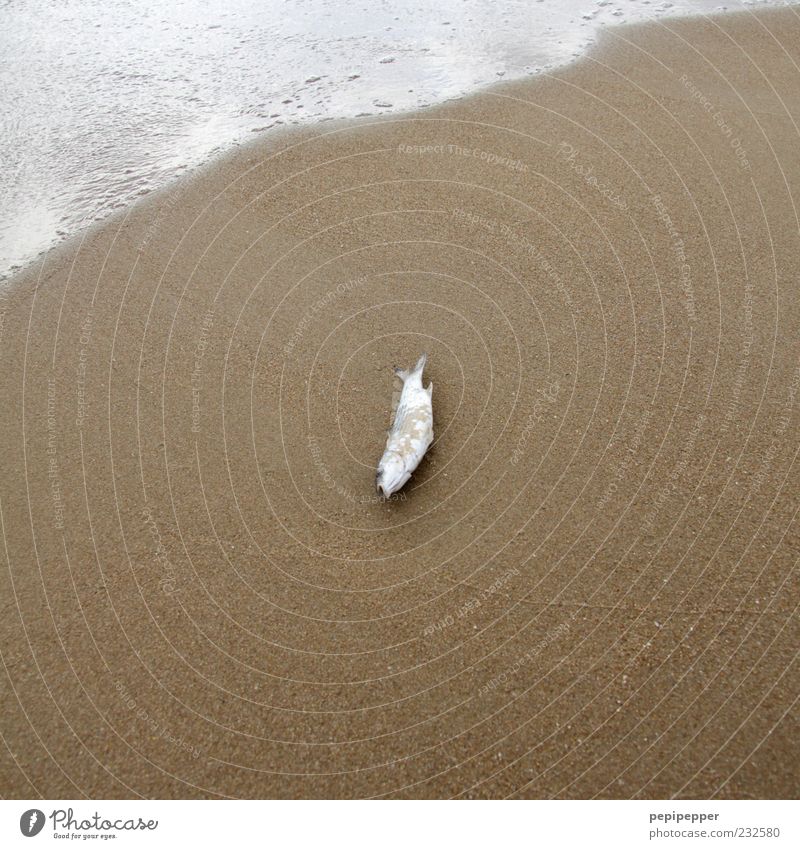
(589, 586)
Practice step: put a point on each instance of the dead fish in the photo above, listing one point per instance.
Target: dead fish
(410, 435)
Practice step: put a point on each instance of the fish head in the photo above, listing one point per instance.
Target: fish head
(392, 474)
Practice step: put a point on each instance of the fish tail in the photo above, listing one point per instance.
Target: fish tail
(405, 373)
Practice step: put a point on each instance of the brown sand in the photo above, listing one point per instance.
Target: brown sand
(589, 587)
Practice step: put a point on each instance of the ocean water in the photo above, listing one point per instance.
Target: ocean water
(105, 100)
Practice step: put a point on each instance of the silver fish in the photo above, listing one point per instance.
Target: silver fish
(410, 435)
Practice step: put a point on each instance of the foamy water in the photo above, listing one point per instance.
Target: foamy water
(105, 100)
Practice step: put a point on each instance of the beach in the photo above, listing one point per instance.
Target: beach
(146, 92)
(587, 589)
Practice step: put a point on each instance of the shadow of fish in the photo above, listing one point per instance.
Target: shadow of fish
(411, 433)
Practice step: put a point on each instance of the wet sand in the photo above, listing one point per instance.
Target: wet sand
(587, 589)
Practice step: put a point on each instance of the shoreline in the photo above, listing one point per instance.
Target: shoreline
(277, 131)
(586, 588)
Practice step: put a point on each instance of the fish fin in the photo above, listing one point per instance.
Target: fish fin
(399, 413)
(402, 373)
(421, 363)
(429, 389)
